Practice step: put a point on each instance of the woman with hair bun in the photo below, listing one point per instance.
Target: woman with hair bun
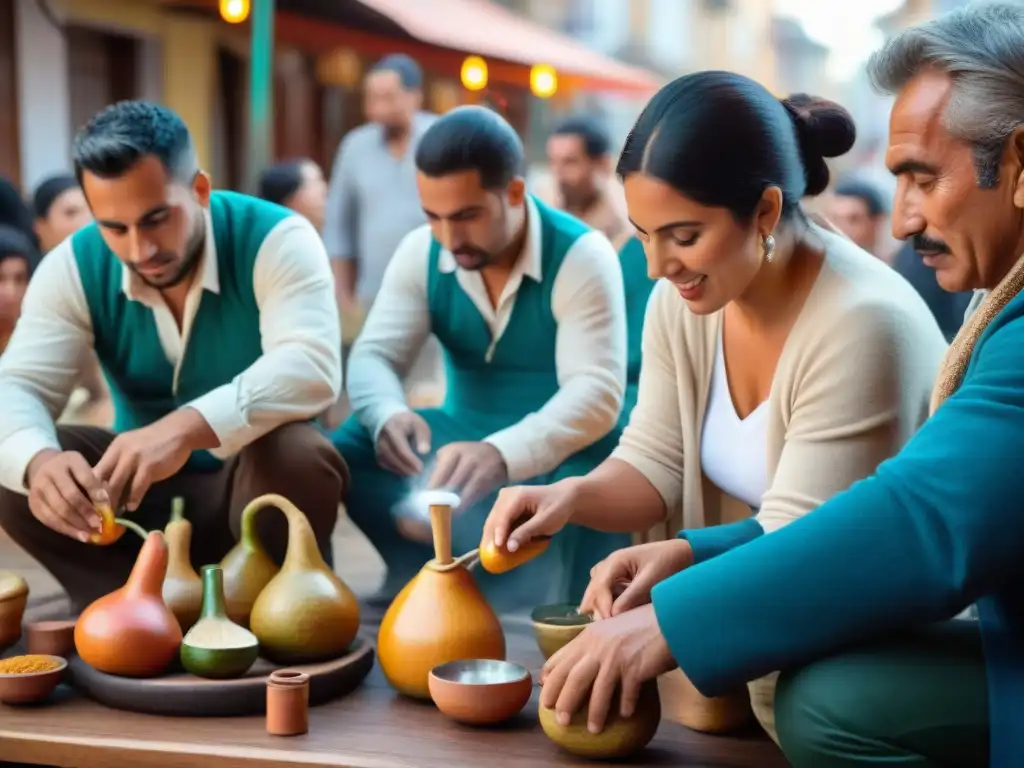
(781, 364)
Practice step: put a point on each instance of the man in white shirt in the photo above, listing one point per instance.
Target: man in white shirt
(213, 317)
(528, 305)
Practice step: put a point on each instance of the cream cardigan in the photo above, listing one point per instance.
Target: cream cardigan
(851, 386)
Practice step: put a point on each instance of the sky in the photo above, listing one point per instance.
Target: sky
(845, 26)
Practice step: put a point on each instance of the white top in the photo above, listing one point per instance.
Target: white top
(297, 377)
(734, 451)
(588, 302)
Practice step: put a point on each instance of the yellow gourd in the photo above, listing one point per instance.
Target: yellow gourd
(439, 616)
(305, 613)
(183, 589)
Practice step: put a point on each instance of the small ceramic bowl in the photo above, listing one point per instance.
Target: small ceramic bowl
(33, 686)
(480, 691)
(50, 638)
(555, 625)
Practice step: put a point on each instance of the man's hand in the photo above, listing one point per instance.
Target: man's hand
(470, 469)
(402, 437)
(62, 492)
(138, 459)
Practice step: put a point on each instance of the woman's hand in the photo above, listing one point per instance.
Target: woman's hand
(543, 509)
(624, 579)
(625, 651)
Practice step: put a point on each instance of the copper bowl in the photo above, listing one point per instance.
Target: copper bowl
(555, 625)
(480, 691)
(31, 687)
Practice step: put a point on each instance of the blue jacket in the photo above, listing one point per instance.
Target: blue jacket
(935, 529)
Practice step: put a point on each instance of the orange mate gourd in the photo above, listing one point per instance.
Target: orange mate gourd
(439, 616)
(131, 632)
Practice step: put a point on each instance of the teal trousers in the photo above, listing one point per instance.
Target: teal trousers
(914, 701)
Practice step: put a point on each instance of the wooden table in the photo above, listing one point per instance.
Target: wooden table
(371, 728)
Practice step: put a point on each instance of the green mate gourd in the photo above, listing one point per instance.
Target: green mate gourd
(217, 647)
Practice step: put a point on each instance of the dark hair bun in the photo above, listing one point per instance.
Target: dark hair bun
(824, 129)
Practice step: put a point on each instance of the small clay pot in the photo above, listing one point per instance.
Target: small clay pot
(287, 703)
(50, 638)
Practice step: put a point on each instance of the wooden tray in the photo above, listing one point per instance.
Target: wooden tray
(183, 695)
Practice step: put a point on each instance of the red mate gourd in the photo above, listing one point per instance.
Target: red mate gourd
(131, 632)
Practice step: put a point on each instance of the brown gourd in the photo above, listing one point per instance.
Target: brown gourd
(131, 632)
(439, 616)
(183, 589)
(305, 613)
(247, 569)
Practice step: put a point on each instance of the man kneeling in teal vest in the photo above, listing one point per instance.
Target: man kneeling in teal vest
(212, 315)
(529, 308)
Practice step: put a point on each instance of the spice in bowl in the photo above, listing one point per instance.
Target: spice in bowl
(30, 678)
(28, 665)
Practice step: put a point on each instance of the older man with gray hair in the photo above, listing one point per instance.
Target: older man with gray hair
(857, 603)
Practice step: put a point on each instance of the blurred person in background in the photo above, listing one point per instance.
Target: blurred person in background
(60, 210)
(17, 259)
(781, 362)
(528, 302)
(372, 201)
(296, 184)
(859, 211)
(580, 162)
(15, 212)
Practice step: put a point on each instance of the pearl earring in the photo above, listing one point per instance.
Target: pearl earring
(768, 241)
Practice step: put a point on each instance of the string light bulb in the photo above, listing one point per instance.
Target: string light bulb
(234, 11)
(474, 73)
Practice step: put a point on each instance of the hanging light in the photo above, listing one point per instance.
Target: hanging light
(474, 73)
(543, 80)
(234, 11)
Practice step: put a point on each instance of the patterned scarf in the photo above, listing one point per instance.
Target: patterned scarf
(954, 364)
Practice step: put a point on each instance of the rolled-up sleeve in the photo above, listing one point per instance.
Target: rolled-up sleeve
(298, 376)
(652, 442)
(395, 330)
(42, 363)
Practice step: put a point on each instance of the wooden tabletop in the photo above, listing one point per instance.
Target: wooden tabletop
(371, 728)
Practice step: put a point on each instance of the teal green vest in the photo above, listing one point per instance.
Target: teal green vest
(225, 336)
(521, 375)
(638, 291)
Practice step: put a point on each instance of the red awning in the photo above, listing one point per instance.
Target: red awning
(487, 29)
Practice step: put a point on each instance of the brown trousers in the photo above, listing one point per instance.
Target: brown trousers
(295, 461)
